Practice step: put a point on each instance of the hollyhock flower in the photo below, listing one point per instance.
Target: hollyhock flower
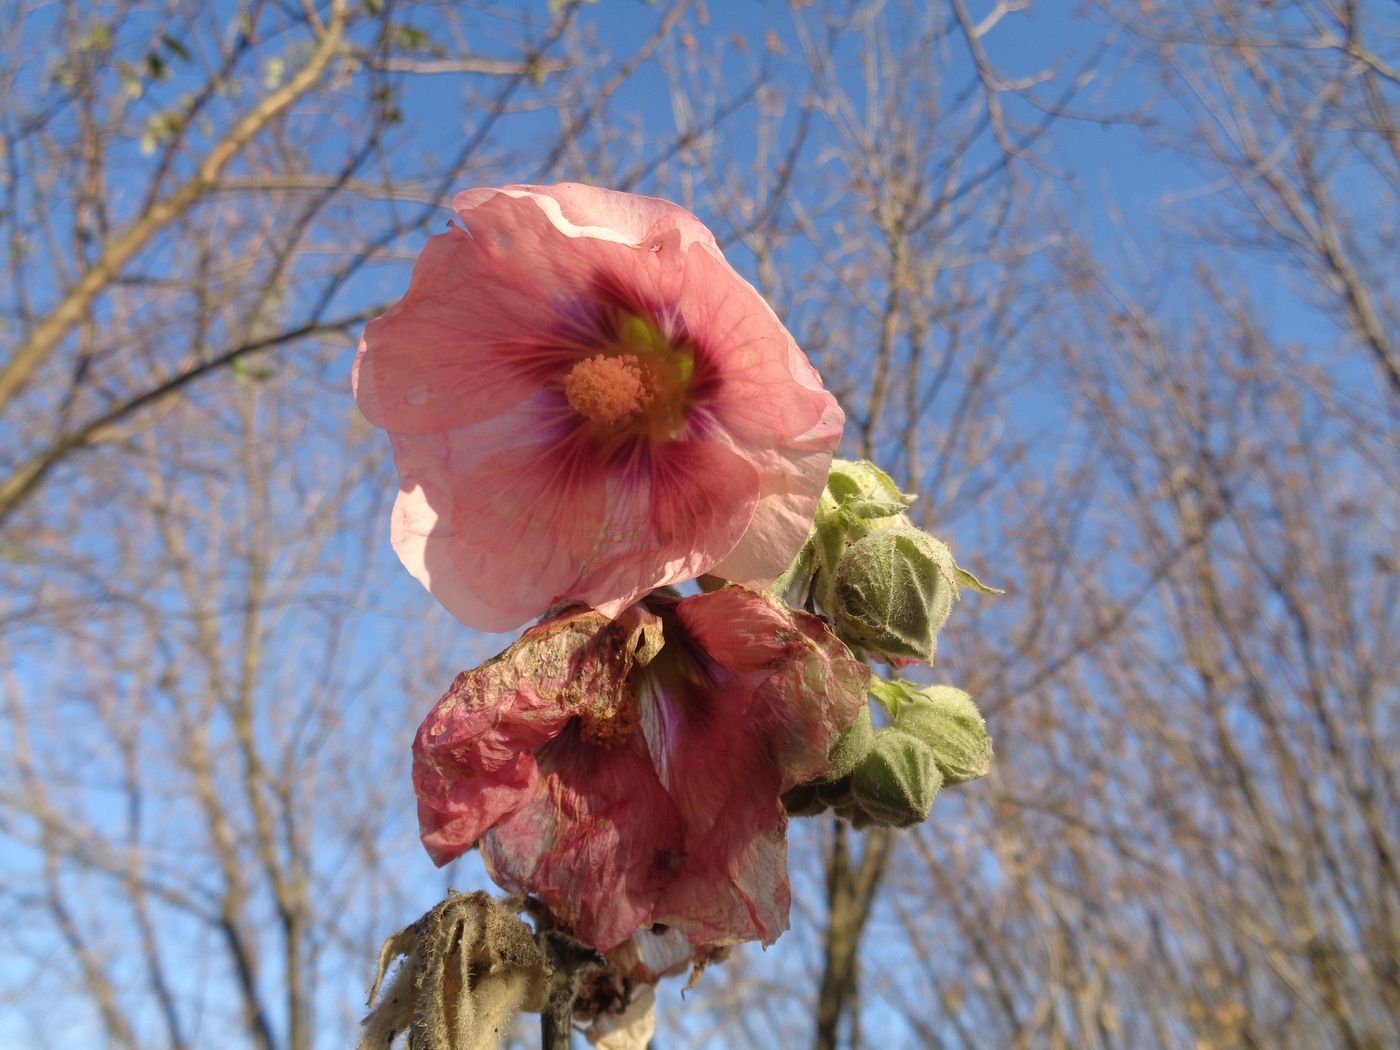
(587, 402)
(628, 772)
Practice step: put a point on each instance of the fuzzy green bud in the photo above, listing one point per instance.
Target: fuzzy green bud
(859, 499)
(862, 490)
(893, 592)
(946, 719)
(896, 783)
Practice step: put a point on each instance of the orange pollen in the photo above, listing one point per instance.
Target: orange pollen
(608, 389)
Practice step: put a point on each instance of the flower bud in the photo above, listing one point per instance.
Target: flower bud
(851, 746)
(946, 719)
(861, 490)
(896, 783)
(859, 499)
(892, 593)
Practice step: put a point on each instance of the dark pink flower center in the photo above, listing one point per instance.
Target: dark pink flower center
(639, 383)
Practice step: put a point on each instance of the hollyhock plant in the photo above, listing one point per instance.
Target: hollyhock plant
(628, 772)
(587, 402)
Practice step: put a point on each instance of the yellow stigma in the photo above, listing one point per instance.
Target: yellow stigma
(608, 390)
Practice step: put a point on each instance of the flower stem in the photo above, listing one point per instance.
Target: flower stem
(570, 961)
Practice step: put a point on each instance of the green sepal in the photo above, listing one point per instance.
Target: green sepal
(966, 579)
(896, 783)
(946, 719)
(851, 746)
(893, 592)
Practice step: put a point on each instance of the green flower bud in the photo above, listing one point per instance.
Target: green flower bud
(893, 592)
(896, 783)
(946, 719)
(803, 801)
(851, 746)
(862, 490)
(859, 499)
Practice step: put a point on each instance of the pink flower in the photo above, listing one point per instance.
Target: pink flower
(587, 402)
(628, 772)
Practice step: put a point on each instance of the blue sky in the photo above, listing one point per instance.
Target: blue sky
(1116, 191)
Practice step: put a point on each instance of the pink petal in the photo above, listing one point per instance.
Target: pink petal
(496, 520)
(597, 843)
(500, 529)
(807, 686)
(772, 404)
(430, 362)
(770, 395)
(472, 758)
(590, 211)
(732, 883)
(485, 322)
(781, 521)
(672, 514)
(761, 715)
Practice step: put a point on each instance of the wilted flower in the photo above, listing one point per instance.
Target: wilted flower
(586, 402)
(628, 772)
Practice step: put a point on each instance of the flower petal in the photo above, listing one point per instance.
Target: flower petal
(500, 528)
(432, 361)
(649, 955)
(786, 505)
(472, 758)
(589, 211)
(731, 885)
(755, 712)
(807, 686)
(496, 527)
(597, 843)
(772, 404)
(673, 513)
(487, 316)
(770, 394)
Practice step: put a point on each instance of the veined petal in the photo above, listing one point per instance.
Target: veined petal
(597, 843)
(474, 759)
(681, 508)
(786, 506)
(750, 707)
(770, 395)
(629, 772)
(496, 529)
(590, 211)
(806, 686)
